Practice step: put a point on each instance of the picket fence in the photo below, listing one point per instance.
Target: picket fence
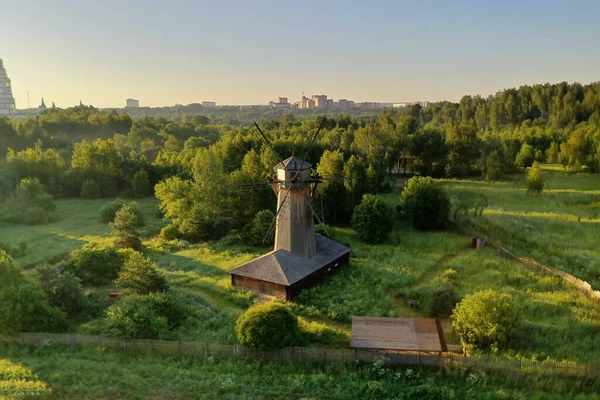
(310, 354)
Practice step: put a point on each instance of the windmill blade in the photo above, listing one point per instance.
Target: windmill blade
(272, 227)
(314, 138)
(267, 141)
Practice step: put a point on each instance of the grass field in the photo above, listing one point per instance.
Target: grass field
(558, 321)
(60, 373)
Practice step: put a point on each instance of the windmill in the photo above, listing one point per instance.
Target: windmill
(300, 256)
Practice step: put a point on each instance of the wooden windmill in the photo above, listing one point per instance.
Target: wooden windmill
(300, 256)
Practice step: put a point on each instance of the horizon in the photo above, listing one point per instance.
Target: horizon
(238, 54)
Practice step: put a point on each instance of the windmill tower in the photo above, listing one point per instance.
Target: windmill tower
(300, 256)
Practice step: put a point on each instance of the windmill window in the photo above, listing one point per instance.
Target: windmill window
(328, 269)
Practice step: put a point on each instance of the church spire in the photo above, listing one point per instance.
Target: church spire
(43, 105)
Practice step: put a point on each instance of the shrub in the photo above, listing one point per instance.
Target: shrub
(140, 275)
(439, 300)
(144, 317)
(32, 204)
(254, 233)
(24, 306)
(96, 265)
(450, 274)
(64, 291)
(535, 179)
(141, 184)
(372, 219)
(426, 203)
(124, 229)
(109, 211)
(267, 326)
(90, 189)
(486, 318)
(36, 216)
(18, 250)
(169, 232)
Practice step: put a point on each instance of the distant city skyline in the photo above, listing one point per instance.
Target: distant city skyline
(238, 52)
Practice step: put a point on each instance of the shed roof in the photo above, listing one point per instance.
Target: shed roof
(282, 267)
(293, 163)
(407, 334)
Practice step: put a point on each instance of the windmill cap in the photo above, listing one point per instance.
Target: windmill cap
(293, 163)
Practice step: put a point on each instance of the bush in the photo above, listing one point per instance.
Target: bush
(254, 233)
(24, 306)
(96, 265)
(32, 204)
(124, 229)
(169, 232)
(439, 300)
(526, 156)
(144, 317)
(141, 184)
(140, 275)
(110, 210)
(18, 250)
(426, 203)
(535, 179)
(486, 319)
(36, 216)
(64, 291)
(372, 219)
(90, 189)
(267, 326)
(451, 275)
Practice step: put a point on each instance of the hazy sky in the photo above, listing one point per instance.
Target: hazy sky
(250, 51)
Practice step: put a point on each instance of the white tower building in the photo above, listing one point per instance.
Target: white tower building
(7, 101)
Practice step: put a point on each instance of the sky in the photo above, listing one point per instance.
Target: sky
(252, 51)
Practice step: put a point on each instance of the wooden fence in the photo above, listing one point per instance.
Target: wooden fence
(311, 354)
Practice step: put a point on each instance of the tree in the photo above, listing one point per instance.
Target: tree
(140, 275)
(493, 167)
(96, 265)
(124, 227)
(426, 203)
(553, 153)
(90, 189)
(486, 319)
(535, 178)
(372, 219)
(64, 291)
(254, 233)
(141, 184)
(32, 204)
(463, 147)
(267, 326)
(25, 307)
(526, 156)
(332, 194)
(109, 210)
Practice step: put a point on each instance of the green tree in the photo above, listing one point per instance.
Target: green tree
(463, 147)
(25, 307)
(140, 275)
(254, 233)
(124, 229)
(268, 326)
(96, 265)
(486, 319)
(332, 196)
(493, 167)
(535, 178)
(32, 204)
(109, 211)
(526, 156)
(90, 189)
(141, 184)
(64, 291)
(372, 219)
(426, 203)
(553, 153)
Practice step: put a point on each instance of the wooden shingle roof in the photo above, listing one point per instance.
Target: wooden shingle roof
(292, 163)
(284, 268)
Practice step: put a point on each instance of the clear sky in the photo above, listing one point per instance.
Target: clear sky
(251, 51)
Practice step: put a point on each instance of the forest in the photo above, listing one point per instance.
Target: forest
(158, 208)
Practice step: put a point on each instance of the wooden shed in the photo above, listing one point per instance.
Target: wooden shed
(282, 274)
(398, 335)
(478, 243)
